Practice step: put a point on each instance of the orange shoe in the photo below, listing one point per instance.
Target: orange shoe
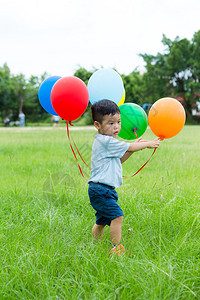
(119, 250)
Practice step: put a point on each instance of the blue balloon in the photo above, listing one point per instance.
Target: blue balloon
(105, 84)
(44, 94)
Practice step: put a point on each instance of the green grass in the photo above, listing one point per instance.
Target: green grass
(46, 221)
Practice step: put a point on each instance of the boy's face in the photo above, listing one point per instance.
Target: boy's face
(111, 125)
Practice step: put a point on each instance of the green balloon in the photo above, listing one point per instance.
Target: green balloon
(133, 117)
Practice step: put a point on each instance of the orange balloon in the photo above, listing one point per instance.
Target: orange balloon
(166, 118)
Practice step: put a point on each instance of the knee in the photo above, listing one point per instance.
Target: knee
(119, 220)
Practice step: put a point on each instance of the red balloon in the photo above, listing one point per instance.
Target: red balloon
(69, 97)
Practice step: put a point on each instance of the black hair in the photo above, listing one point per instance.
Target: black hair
(102, 108)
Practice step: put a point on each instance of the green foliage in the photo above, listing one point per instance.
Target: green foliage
(176, 72)
(83, 74)
(134, 87)
(18, 93)
(5, 90)
(195, 61)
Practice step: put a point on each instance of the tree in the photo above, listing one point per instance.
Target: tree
(83, 74)
(5, 91)
(176, 72)
(134, 87)
(195, 65)
(32, 106)
(19, 89)
(18, 93)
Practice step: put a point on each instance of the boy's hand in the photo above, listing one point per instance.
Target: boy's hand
(140, 140)
(142, 144)
(154, 144)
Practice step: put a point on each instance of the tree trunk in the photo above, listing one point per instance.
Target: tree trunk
(20, 102)
(188, 109)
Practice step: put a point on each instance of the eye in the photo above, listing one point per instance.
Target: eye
(119, 122)
(111, 123)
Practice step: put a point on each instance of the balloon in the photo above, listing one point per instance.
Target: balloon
(44, 94)
(69, 97)
(105, 84)
(123, 99)
(166, 118)
(133, 117)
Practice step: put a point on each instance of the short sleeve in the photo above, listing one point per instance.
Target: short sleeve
(116, 148)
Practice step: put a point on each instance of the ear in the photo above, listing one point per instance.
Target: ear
(97, 125)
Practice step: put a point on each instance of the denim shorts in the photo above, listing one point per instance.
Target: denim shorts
(103, 199)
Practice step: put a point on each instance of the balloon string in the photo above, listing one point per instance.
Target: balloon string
(134, 130)
(73, 150)
(143, 165)
(79, 153)
(70, 123)
(85, 162)
(145, 162)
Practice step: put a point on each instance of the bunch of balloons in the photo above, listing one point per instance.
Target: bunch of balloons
(68, 97)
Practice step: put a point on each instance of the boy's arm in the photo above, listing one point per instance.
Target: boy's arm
(139, 145)
(125, 156)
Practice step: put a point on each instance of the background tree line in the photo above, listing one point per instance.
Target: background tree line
(173, 73)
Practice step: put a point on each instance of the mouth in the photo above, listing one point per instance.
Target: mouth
(116, 133)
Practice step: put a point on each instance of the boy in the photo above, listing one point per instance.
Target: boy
(108, 154)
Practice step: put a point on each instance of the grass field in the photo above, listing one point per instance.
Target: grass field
(46, 220)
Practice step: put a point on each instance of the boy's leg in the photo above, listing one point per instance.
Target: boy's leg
(97, 231)
(115, 230)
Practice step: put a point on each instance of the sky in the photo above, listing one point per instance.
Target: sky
(60, 36)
